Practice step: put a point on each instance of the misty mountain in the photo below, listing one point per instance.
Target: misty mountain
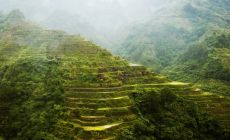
(168, 33)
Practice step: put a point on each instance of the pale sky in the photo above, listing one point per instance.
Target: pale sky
(35, 8)
(105, 17)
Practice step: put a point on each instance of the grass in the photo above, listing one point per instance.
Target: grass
(100, 128)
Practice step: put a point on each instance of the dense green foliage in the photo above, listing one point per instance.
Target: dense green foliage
(32, 91)
(205, 62)
(35, 66)
(167, 116)
(59, 86)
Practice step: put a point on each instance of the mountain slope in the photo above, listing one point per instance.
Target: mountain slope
(206, 64)
(59, 86)
(159, 41)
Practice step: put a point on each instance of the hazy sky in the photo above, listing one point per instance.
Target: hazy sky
(39, 9)
(105, 17)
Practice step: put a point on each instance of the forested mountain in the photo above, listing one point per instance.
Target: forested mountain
(206, 63)
(59, 86)
(171, 30)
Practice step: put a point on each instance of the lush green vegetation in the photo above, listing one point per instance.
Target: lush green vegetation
(32, 93)
(59, 86)
(163, 115)
(190, 43)
(205, 63)
(39, 68)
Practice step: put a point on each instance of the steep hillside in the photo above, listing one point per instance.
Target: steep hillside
(206, 64)
(159, 41)
(59, 86)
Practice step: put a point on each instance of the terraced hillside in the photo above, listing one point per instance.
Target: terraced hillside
(97, 87)
(59, 86)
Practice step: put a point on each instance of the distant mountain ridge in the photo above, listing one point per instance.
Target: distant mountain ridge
(168, 34)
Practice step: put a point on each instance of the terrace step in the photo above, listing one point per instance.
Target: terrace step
(107, 101)
(101, 128)
(96, 99)
(96, 104)
(103, 121)
(79, 84)
(93, 118)
(126, 87)
(81, 135)
(126, 117)
(88, 123)
(103, 111)
(121, 88)
(90, 132)
(99, 109)
(70, 126)
(109, 94)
